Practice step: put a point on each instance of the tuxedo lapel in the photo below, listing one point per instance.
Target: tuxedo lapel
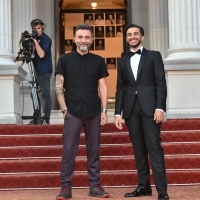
(142, 59)
(128, 65)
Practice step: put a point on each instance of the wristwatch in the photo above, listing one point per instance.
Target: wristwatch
(64, 111)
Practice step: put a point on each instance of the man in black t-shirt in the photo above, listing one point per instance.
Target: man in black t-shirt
(81, 73)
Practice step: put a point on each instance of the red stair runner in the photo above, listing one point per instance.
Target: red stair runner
(30, 156)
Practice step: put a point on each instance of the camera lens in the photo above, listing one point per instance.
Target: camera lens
(29, 42)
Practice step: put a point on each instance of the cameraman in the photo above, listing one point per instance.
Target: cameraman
(43, 66)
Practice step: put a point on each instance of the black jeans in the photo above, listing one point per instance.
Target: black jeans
(44, 83)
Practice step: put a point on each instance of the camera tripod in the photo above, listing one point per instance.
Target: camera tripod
(34, 87)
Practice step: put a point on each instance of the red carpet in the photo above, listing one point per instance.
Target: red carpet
(30, 155)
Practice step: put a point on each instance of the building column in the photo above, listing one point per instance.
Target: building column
(158, 26)
(182, 64)
(139, 16)
(46, 12)
(10, 74)
(24, 11)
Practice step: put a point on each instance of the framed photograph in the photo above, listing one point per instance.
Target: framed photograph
(111, 63)
(110, 31)
(74, 28)
(68, 45)
(99, 31)
(88, 19)
(110, 19)
(99, 19)
(120, 18)
(119, 31)
(99, 44)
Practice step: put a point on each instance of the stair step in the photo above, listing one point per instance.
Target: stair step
(56, 139)
(169, 125)
(80, 179)
(181, 136)
(30, 129)
(56, 151)
(48, 129)
(181, 124)
(31, 140)
(106, 138)
(107, 164)
(105, 150)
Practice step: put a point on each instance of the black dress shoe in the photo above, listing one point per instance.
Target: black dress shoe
(163, 196)
(139, 191)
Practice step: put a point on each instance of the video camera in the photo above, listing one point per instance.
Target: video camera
(26, 38)
(25, 54)
(28, 45)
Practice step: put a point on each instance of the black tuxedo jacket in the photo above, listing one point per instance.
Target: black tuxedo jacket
(150, 84)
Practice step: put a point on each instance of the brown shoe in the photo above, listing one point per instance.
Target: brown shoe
(98, 191)
(64, 194)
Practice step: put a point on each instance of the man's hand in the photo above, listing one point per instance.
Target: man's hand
(17, 59)
(38, 48)
(118, 122)
(104, 118)
(64, 115)
(158, 116)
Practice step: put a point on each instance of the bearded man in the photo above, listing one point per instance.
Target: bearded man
(82, 95)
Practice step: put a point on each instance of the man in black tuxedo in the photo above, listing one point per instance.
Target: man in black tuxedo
(141, 95)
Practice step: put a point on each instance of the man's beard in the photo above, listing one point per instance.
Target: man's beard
(136, 45)
(84, 48)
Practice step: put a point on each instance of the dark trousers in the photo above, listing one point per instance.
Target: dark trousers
(71, 137)
(145, 137)
(44, 83)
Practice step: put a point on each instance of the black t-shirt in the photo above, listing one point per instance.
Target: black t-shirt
(81, 76)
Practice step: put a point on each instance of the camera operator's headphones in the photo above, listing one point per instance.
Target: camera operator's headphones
(35, 22)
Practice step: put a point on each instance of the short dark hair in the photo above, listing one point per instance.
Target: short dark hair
(83, 27)
(36, 22)
(134, 26)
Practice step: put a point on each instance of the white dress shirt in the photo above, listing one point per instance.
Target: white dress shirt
(134, 60)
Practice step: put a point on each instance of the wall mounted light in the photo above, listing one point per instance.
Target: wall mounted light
(94, 5)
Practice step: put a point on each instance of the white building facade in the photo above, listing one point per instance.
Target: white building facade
(171, 27)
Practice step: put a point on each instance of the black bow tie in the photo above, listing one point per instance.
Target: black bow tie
(131, 53)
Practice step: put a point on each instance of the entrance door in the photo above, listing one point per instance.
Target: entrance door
(107, 24)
